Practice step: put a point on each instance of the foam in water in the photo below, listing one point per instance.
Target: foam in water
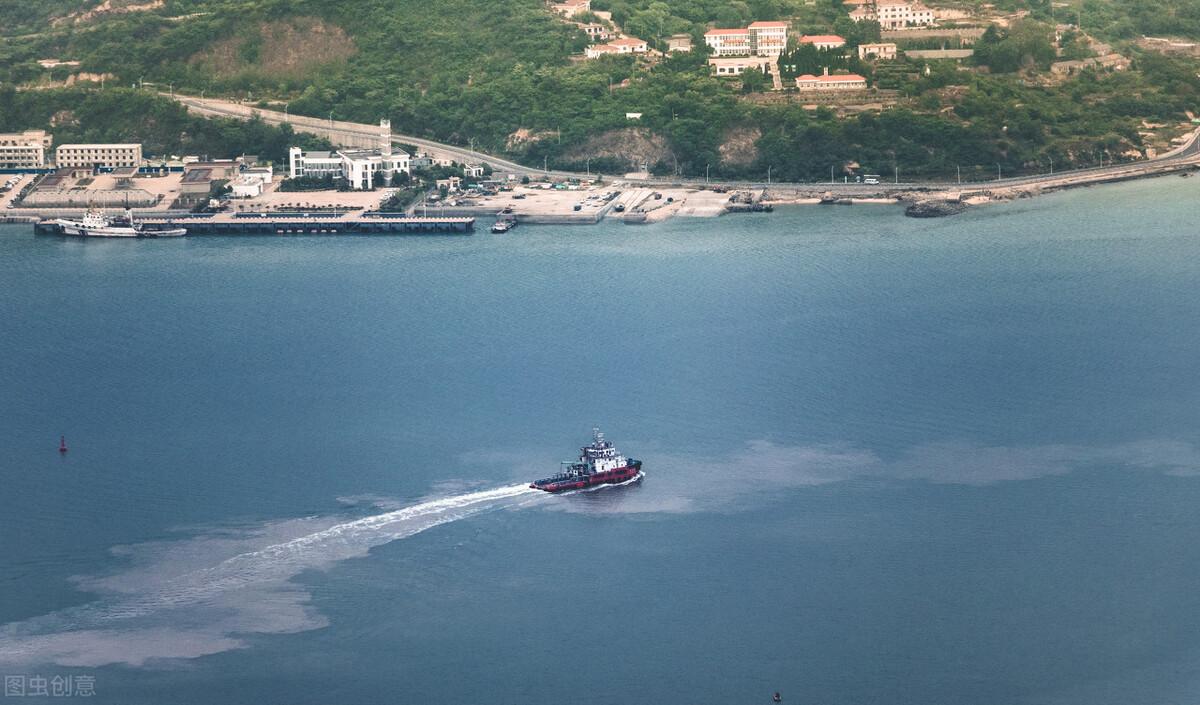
(190, 598)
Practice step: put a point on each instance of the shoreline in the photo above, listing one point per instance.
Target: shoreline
(649, 205)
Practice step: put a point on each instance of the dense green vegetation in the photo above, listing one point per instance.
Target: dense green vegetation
(161, 125)
(499, 73)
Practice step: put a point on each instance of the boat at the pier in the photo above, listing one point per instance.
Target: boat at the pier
(96, 223)
(599, 464)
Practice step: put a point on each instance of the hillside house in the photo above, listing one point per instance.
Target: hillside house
(736, 65)
(835, 82)
(570, 8)
(885, 51)
(894, 14)
(824, 41)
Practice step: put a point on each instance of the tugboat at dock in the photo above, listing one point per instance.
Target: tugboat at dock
(598, 464)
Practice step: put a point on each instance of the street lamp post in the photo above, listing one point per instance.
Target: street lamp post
(331, 119)
(589, 168)
(999, 172)
(706, 173)
(1051, 164)
(958, 168)
(768, 174)
(831, 173)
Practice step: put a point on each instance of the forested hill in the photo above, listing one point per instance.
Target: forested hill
(502, 73)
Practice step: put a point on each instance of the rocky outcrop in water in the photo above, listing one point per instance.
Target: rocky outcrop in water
(934, 209)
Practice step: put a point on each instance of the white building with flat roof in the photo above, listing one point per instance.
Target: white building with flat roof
(109, 156)
(884, 50)
(357, 166)
(24, 150)
(737, 65)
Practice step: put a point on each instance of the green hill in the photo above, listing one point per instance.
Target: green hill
(501, 73)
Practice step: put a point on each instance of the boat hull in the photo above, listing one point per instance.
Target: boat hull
(69, 227)
(615, 476)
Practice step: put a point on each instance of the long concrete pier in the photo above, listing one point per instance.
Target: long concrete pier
(298, 224)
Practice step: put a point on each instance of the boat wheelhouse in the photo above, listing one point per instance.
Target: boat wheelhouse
(598, 464)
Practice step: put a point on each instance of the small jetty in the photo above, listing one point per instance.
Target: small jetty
(302, 223)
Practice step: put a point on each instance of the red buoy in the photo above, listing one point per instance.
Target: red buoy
(62, 444)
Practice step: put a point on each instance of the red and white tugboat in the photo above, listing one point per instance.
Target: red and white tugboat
(598, 464)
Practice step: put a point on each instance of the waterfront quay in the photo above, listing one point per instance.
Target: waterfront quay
(282, 223)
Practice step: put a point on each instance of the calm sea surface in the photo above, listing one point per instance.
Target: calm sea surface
(888, 461)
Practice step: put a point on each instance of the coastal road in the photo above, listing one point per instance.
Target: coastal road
(352, 134)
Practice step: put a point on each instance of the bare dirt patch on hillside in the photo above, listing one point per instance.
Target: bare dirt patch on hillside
(635, 145)
(739, 146)
(286, 48)
(109, 7)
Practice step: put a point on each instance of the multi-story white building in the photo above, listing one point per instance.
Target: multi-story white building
(768, 38)
(108, 156)
(729, 42)
(823, 41)
(894, 14)
(357, 166)
(24, 150)
(759, 39)
(885, 51)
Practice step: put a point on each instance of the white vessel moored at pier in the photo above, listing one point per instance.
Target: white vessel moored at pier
(96, 224)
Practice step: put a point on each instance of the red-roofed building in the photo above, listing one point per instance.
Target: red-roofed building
(836, 82)
(630, 45)
(823, 41)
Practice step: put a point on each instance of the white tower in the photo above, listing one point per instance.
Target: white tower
(385, 136)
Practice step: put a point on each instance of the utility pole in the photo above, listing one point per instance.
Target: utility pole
(285, 111)
(331, 119)
(897, 173)
(831, 174)
(768, 174)
(545, 163)
(958, 168)
(589, 168)
(1051, 165)
(706, 173)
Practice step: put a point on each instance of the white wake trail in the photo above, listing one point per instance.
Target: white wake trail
(222, 586)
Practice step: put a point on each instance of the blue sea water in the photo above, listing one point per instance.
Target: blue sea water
(888, 460)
